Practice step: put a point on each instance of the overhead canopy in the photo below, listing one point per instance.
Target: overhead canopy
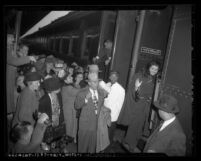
(53, 15)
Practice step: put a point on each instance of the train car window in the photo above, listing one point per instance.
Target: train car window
(65, 46)
(51, 44)
(75, 46)
(57, 45)
(91, 47)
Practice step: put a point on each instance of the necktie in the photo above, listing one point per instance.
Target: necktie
(95, 101)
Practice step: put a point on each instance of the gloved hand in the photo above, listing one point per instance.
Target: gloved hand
(32, 58)
(42, 118)
(137, 84)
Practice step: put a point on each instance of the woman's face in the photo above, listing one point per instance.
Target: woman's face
(36, 84)
(79, 78)
(20, 82)
(70, 70)
(153, 70)
(69, 79)
(61, 73)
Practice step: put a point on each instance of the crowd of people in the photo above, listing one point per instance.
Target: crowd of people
(48, 99)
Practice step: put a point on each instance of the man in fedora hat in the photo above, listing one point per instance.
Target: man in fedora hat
(169, 137)
(93, 68)
(90, 100)
(28, 102)
(51, 104)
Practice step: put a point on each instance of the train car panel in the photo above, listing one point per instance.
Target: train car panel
(177, 77)
(123, 44)
(154, 36)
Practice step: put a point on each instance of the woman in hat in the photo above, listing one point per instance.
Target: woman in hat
(69, 94)
(49, 65)
(51, 104)
(28, 102)
(135, 110)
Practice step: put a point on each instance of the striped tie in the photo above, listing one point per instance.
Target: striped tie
(95, 101)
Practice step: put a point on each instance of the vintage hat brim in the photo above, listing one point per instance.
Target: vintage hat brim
(51, 84)
(34, 76)
(157, 105)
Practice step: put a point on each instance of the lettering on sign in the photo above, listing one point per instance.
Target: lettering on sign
(150, 51)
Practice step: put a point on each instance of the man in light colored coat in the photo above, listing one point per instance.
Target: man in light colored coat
(114, 101)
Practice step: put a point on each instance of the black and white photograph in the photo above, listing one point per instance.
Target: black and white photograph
(98, 82)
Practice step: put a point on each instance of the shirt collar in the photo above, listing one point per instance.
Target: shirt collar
(167, 122)
(92, 92)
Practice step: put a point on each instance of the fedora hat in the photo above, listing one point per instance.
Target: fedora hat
(32, 76)
(51, 84)
(93, 68)
(167, 103)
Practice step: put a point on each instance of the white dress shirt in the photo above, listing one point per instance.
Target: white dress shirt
(166, 123)
(92, 93)
(114, 100)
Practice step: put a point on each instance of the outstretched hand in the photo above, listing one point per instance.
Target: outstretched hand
(42, 118)
(137, 84)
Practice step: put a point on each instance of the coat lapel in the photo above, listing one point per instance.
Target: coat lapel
(100, 102)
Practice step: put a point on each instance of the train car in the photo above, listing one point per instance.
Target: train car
(138, 36)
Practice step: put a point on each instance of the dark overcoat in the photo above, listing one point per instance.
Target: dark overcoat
(135, 114)
(69, 94)
(46, 107)
(26, 106)
(87, 133)
(171, 140)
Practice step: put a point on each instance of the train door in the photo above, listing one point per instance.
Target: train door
(154, 26)
(177, 78)
(123, 43)
(107, 32)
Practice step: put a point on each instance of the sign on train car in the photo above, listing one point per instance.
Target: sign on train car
(154, 36)
(150, 51)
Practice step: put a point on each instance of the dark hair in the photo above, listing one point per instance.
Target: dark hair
(146, 71)
(75, 75)
(22, 45)
(107, 40)
(19, 130)
(114, 72)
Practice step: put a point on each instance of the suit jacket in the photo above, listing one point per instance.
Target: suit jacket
(88, 118)
(171, 140)
(52, 133)
(87, 129)
(104, 120)
(45, 106)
